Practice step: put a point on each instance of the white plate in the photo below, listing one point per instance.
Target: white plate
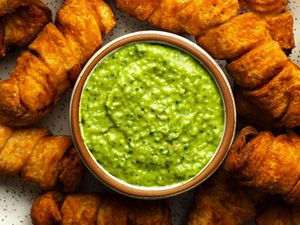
(16, 197)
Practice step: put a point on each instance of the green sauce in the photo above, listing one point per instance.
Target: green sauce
(151, 115)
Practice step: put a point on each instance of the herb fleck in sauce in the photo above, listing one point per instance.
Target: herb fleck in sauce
(151, 115)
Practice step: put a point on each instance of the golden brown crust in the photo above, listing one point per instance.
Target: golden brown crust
(113, 210)
(42, 167)
(207, 211)
(231, 40)
(220, 201)
(248, 113)
(71, 170)
(259, 65)
(41, 158)
(209, 14)
(237, 156)
(18, 148)
(8, 6)
(21, 21)
(23, 25)
(10, 98)
(100, 209)
(281, 28)
(45, 209)
(107, 20)
(82, 33)
(268, 163)
(166, 15)
(5, 133)
(52, 48)
(292, 116)
(36, 89)
(53, 61)
(80, 209)
(275, 96)
(279, 171)
(267, 6)
(141, 9)
(181, 16)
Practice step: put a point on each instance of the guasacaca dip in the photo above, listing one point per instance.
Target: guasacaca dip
(151, 115)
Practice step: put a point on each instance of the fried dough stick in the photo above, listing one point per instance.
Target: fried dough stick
(275, 96)
(178, 16)
(53, 61)
(279, 213)
(22, 24)
(97, 209)
(220, 201)
(249, 113)
(266, 162)
(260, 64)
(39, 158)
(281, 28)
(235, 37)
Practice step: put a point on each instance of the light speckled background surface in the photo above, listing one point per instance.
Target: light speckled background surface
(16, 197)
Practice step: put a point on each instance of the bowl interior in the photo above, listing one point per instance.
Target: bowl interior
(203, 58)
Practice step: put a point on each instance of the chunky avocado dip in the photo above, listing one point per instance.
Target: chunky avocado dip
(151, 115)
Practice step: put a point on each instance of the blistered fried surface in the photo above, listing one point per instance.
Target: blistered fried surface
(107, 20)
(280, 170)
(80, 209)
(40, 158)
(71, 170)
(259, 65)
(247, 112)
(113, 210)
(267, 163)
(36, 89)
(45, 209)
(26, 98)
(181, 16)
(267, 6)
(52, 48)
(82, 33)
(292, 116)
(199, 16)
(10, 103)
(18, 148)
(275, 96)
(8, 6)
(231, 39)
(220, 201)
(42, 167)
(99, 209)
(281, 28)
(166, 16)
(5, 133)
(141, 9)
(22, 26)
(242, 159)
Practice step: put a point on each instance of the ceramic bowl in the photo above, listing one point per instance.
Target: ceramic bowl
(216, 72)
